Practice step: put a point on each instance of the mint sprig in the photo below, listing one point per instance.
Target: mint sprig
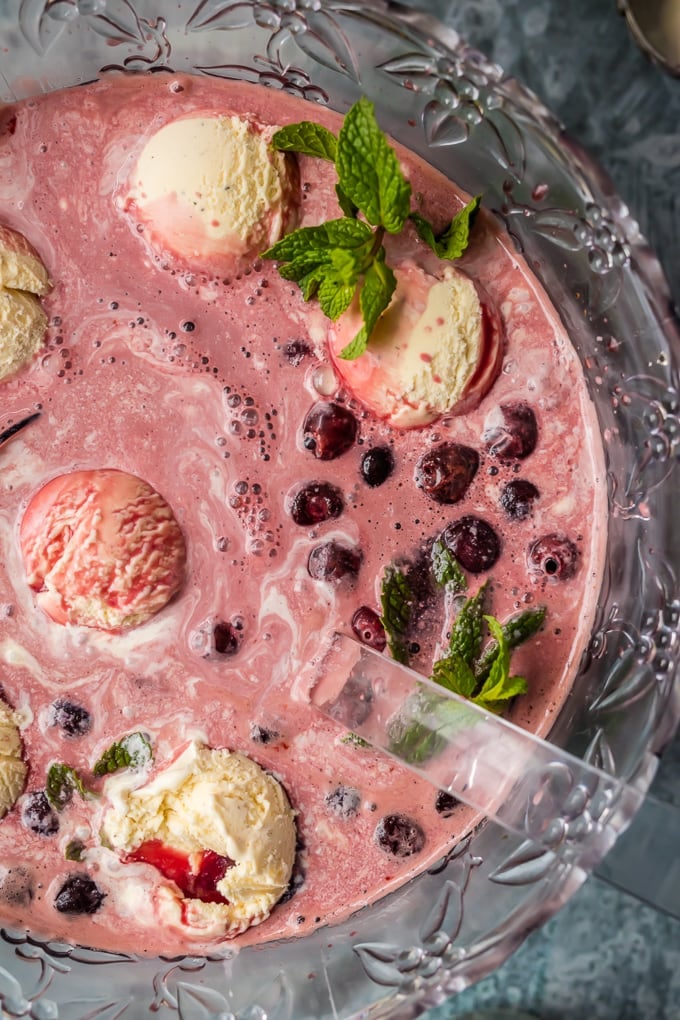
(62, 782)
(132, 752)
(446, 569)
(396, 599)
(343, 257)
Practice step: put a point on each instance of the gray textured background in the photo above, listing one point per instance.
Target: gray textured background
(604, 957)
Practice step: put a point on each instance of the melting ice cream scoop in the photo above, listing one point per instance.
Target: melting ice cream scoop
(211, 188)
(101, 549)
(218, 826)
(13, 769)
(23, 280)
(436, 349)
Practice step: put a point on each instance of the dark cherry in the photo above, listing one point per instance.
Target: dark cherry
(332, 561)
(38, 816)
(79, 895)
(329, 430)
(446, 471)
(553, 556)
(17, 886)
(368, 627)
(473, 542)
(446, 803)
(511, 431)
(72, 719)
(399, 835)
(315, 503)
(377, 465)
(343, 801)
(518, 497)
(226, 638)
(296, 351)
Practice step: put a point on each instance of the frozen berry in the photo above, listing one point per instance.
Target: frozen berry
(329, 430)
(473, 542)
(377, 465)
(445, 472)
(226, 638)
(399, 835)
(553, 556)
(511, 431)
(72, 719)
(315, 503)
(368, 627)
(16, 886)
(79, 895)
(332, 561)
(261, 735)
(518, 497)
(38, 816)
(446, 803)
(343, 801)
(296, 351)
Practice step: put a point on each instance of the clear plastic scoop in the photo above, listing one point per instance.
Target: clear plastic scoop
(525, 785)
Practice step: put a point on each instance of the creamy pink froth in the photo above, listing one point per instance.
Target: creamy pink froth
(198, 385)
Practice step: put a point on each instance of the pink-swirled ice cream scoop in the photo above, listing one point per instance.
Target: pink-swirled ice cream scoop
(101, 549)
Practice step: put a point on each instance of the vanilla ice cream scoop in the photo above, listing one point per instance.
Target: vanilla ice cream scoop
(210, 188)
(101, 549)
(218, 828)
(23, 280)
(436, 349)
(13, 768)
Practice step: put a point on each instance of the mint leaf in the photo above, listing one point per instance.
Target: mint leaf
(454, 673)
(376, 293)
(369, 171)
(75, 850)
(355, 740)
(496, 701)
(516, 631)
(453, 241)
(423, 726)
(396, 599)
(62, 783)
(307, 138)
(132, 752)
(315, 244)
(345, 203)
(466, 634)
(499, 687)
(447, 570)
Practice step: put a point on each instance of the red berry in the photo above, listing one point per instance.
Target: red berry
(329, 430)
(518, 497)
(368, 627)
(315, 503)
(226, 638)
(473, 542)
(332, 561)
(511, 431)
(445, 472)
(377, 464)
(553, 556)
(79, 895)
(399, 835)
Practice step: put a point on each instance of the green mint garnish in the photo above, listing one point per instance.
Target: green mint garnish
(75, 850)
(446, 569)
(132, 752)
(307, 138)
(516, 631)
(453, 241)
(355, 740)
(62, 782)
(396, 599)
(339, 259)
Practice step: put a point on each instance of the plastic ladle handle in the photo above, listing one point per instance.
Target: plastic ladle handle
(522, 783)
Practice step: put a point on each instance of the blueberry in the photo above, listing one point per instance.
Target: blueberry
(368, 627)
(517, 498)
(511, 431)
(473, 542)
(329, 430)
(38, 816)
(226, 638)
(445, 803)
(261, 735)
(16, 886)
(296, 351)
(377, 465)
(343, 801)
(446, 471)
(553, 556)
(399, 835)
(79, 895)
(332, 561)
(315, 503)
(72, 719)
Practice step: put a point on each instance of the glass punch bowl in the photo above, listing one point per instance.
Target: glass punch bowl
(455, 923)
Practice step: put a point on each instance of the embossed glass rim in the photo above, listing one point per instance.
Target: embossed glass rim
(471, 122)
